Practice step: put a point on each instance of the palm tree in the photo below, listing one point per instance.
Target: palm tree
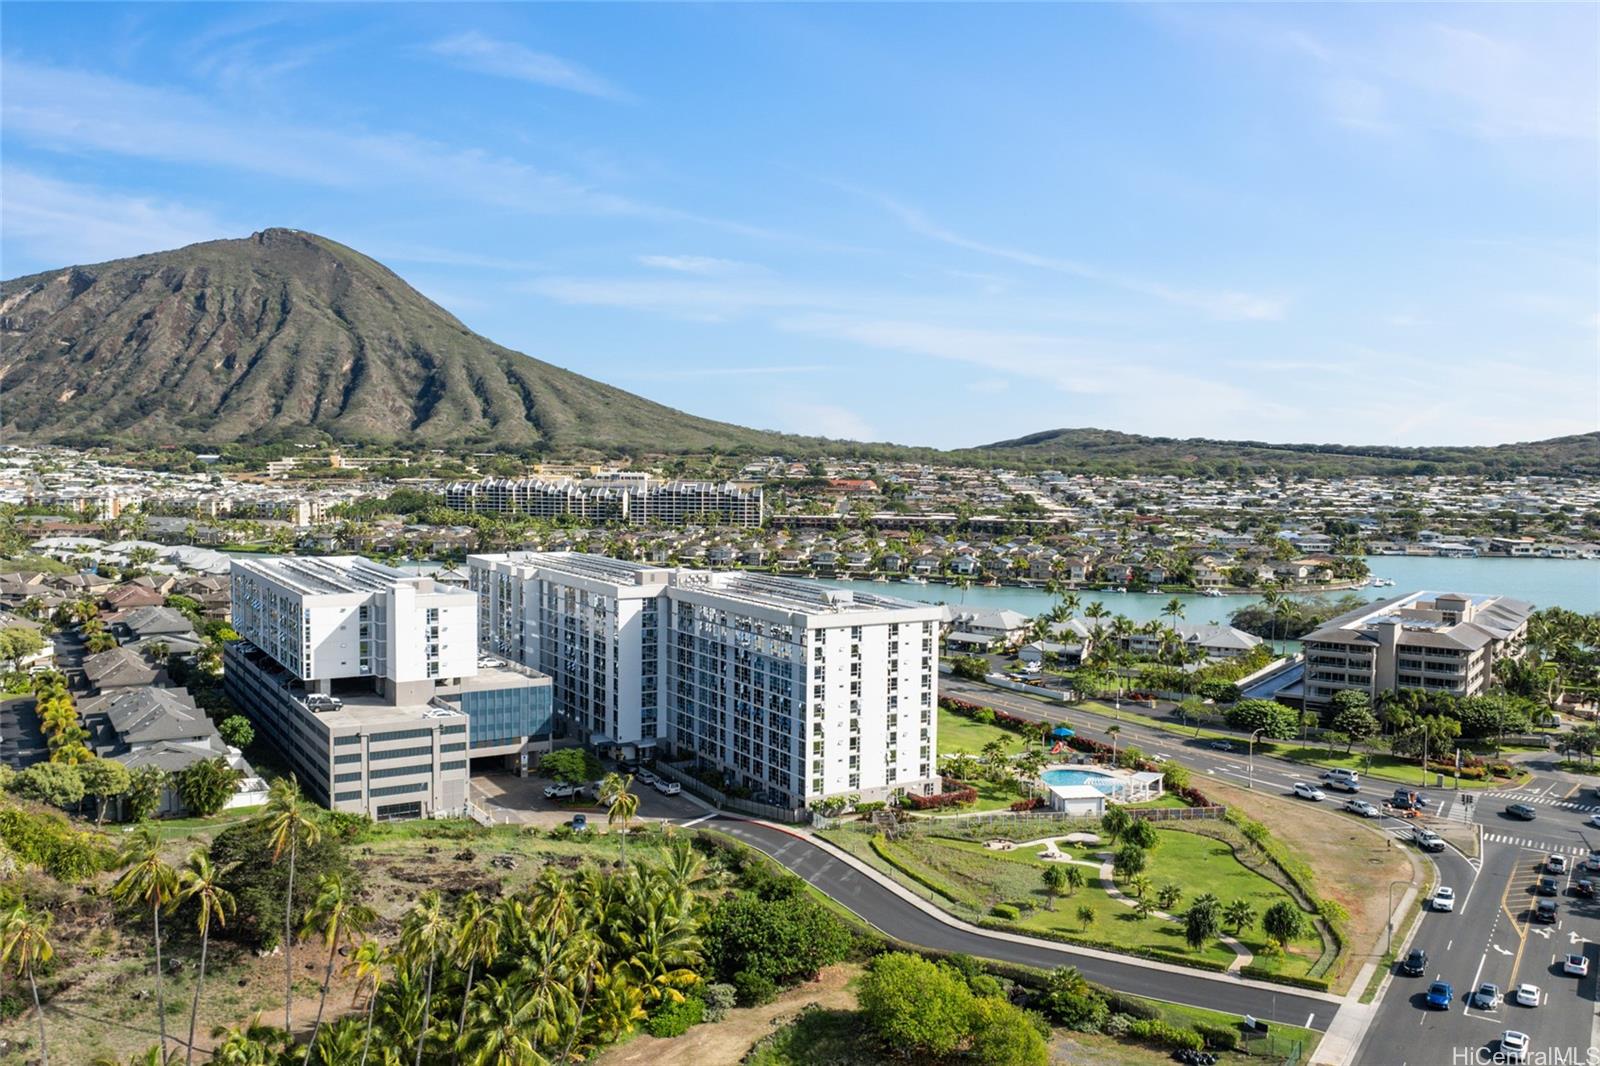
(1239, 914)
(1138, 884)
(201, 882)
(1055, 882)
(290, 823)
(24, 946)
(1173, 609)
(147, 880)
(507, 1029)
(423, 932)
(1072, 877)
(614, 790)
(477, 942)
(366, 965)
(338, 917)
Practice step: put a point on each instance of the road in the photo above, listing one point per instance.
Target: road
(1489, 938)
(899, 918)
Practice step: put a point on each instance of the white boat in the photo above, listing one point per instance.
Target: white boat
(1217, 593)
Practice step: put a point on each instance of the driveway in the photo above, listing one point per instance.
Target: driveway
(514, 800)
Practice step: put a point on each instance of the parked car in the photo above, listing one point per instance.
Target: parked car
(559, 790)
(1527, 995)
(668, 788)
(1441, 995)
(1427, 839)
(1361, 807)
(1591, 861)
(580, 823)
(1444, 899)
(1546, 911)
(1487, 997)
(1556, 864)
(1575, 965)
(1594, 820)
(1521, 810)
(645, 777)
(1547, 886)
(1513, 1047)
(1584, 888)
(1308, 791)
(1415, 964)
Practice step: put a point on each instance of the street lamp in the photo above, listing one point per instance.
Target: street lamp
(1253, 736)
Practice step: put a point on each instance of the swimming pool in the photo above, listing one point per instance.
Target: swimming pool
(1097, 778)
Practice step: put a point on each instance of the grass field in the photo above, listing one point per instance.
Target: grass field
(958, 733)
(972, 879)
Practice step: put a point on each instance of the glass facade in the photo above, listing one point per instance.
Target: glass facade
(500, 716)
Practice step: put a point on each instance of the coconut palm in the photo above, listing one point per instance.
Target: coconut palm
(200, 881)
(366, 965)
(615, 791)
(507, 1028)
(424, 932)
(1239, 914)
(24, 946)
(290, 823)
(476, 942)
(1173, 609)
(148, 881)
(338, 917)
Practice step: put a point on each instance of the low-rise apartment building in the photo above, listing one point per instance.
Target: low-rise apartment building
(795, 691)
(368, 681)
(1435, 642)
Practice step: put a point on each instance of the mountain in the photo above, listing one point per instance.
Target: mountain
(288, 335)
(1108, 451)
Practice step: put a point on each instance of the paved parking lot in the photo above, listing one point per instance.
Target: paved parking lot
(515, 800)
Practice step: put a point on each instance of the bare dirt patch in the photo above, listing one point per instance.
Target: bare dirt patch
(1353, 861)
(727, 1041)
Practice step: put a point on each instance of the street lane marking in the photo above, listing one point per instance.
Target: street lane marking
(697, 821)
(1309, 1019)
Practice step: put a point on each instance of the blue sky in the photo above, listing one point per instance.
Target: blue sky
(939, 225)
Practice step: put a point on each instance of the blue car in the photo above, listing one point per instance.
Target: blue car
(1440, 995)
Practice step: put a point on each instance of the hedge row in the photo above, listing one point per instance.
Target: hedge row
(1119, 949)
(952, 793)
(1320, 984)
(926, 882)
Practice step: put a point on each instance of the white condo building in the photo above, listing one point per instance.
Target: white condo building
(368, 681)
(793, 690)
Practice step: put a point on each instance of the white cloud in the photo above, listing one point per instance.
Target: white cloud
(1225, 305)
(695, 264)
(507, 59)
(62, 223)
(724, 372)
(824, 420)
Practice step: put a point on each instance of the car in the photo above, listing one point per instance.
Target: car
(1594, 820)
(1575, 965)
(559, 790)
(1308, 791)
(1427, 839)
(580, 823)
(1547, 886)
(1556, 864)
(646, 777)
(1361, 807)
(489, 663)
(1487, 997)
(1583, 887)
(1223, 745)
(1444, 899)
(1546, 911)
(1513, 1047)
(1527, 995)
(1409, 799)
(1592, 861)
(1415, 964)
(668, 788)
(1521, 810)
(1441, 995)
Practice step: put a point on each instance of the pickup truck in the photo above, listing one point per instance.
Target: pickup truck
(1427, 839)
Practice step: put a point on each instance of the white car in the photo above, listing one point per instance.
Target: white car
(1556, 864)
(668, 788)
(1594, 820)
(645, 777)
(1444, 899)
(1308, 791)
(1575, 966)
(559, 791)
(1513, 1047)
(1527, 995)
(1362, 807)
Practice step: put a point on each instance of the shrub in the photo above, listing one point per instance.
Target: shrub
(1006, 911)
(719, 998)
(953, 793)
(674, 1019)
(1218, 1037)
(1032, 803)
(1003, 1034)
(1162, 1034)
(782, 940)
(752, 989)
(1132, 1007)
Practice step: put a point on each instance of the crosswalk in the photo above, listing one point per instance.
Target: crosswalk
(1544, 801)
(1536, 845)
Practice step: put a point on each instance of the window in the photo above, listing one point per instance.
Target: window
(344, 779)
(356, 757)
(345, 797)
(403, 771)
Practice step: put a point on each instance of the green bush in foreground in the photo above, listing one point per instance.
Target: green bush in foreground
(675, 1019)
(918, 1007)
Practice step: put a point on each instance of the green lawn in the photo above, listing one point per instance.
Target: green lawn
(973, 879)
(958, 733)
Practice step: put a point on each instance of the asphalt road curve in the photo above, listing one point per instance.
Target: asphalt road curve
(903, 921)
